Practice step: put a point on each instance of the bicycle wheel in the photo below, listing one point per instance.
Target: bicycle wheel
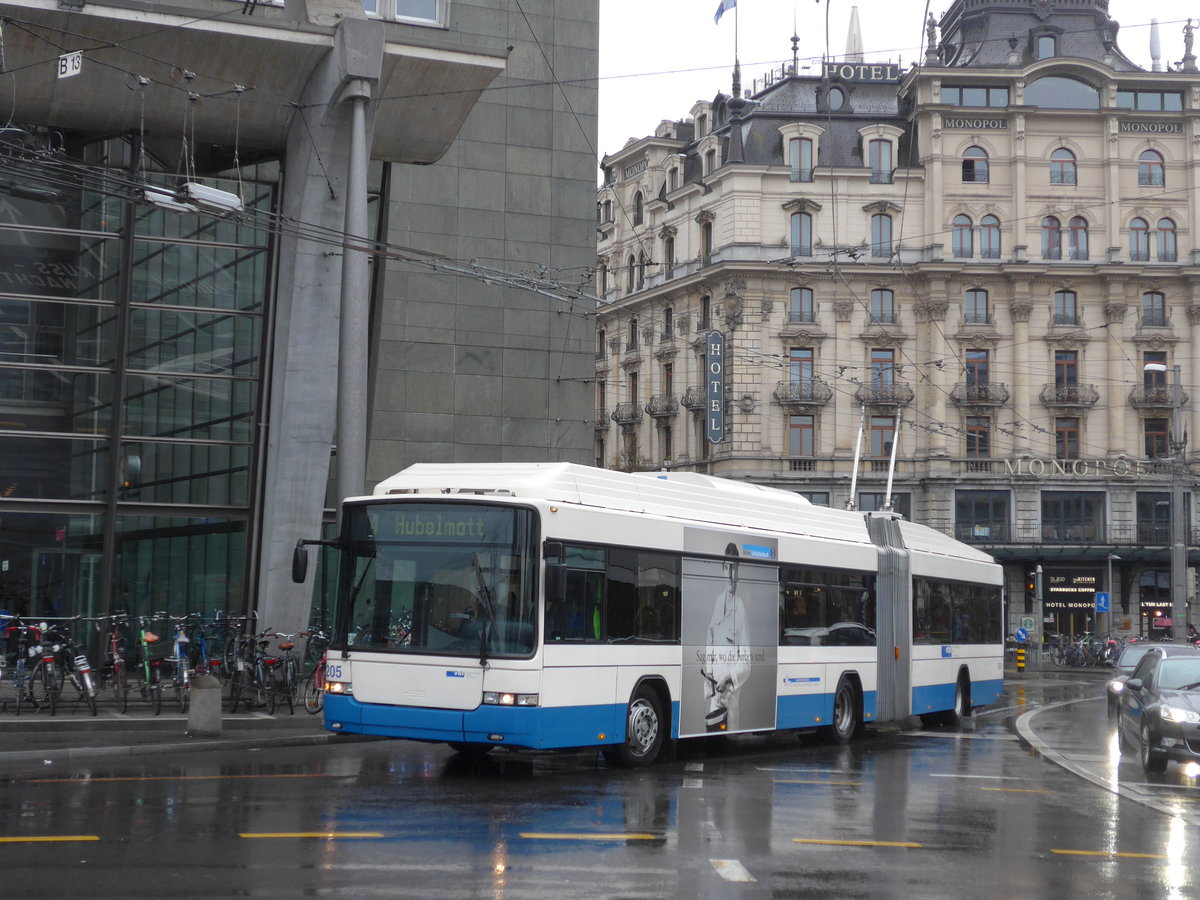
(89, 691)
(155, 688)
(266, 689)
(183, 689)
(314, 696)
(20, 684)
(289, 685)
(235, 690)
(41, 687)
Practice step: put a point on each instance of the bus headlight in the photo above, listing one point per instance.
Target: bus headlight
(500, 698)
(338, 687)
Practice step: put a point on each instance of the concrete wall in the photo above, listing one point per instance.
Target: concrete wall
(465, 370)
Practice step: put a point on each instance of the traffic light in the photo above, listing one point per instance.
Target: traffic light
(1030, 590)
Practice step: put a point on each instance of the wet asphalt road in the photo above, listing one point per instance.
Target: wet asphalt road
(902, 813)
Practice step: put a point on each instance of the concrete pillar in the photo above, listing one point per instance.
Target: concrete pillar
(1114, 378)
(1023, 376)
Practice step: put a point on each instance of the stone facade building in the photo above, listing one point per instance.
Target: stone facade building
(970, 263)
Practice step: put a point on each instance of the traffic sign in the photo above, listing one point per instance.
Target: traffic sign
(1021, 635)
(1101, 601)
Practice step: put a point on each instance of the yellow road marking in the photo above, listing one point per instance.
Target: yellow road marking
(49, 838)
(1017, 790)
(1109, 853)
(331, 835)
(546, 836)
(88, 780)
(858, 843)
(817, 781)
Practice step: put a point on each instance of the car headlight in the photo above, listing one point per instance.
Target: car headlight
(1116, 686)
(1175, 714)
(501, 698)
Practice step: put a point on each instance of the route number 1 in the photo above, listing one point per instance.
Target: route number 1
(70, 64)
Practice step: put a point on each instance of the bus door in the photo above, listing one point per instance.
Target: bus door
(894, 619)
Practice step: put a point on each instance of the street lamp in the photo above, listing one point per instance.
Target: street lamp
(1178, 442)
(1108, 586)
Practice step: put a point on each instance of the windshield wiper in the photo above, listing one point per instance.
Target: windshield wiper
(354, 597)
(485, 600)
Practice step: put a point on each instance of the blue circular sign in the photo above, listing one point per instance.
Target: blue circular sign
(1021, 635)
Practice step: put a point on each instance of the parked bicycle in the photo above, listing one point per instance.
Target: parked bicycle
(284, 670)
(32, 679)
(250, 683)
(151, 686)
(178, 665)
(316, 653)
(71, 665)
(114, 675)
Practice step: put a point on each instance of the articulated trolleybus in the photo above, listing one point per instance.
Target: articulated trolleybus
(551, 605)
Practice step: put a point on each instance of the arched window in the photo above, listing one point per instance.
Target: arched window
(669, 257)
(1165, 240)
(801, 234)
(975, 166)
(638, 208)
(1061, 92)
(1139, 239)
(1051, 238)
(962, 238)
(1062, 166)
(881, 236)
(1154, 308)
(1150, 169)
(989, 237)
(1078, 233)
(602, 279)
(629, 274)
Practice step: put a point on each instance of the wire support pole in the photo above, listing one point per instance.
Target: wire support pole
(1179, 517)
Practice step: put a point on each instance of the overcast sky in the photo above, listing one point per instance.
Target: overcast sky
(657, 57)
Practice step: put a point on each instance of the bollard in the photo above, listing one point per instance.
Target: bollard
(1021, 658)
(204, 711)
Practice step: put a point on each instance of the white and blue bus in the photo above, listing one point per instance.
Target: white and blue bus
(551, 605)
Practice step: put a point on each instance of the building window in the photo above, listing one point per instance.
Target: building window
(975, 166)
(601, 348)
(1066, 373)
(1045, 46)
(883, 307)
(1150, 169)
(836, 98)
(706, 244)
(801, 234)
(1154, 309)
(883, 432)
(1154, 517)
(668, 442)
(880, 158)
(881, 236)
(672, 178)
(641, 271)
(816, 498)
(1062, 166)
(989, 237)
(800, 366)
(668, 380)
(633, 388)
(668, 329)
(1139, 239)
(631, 342)
(1051, 238)
(630, 274)
(1165, 240)
(1073, 516)
(639, 207)
(961, 237)
(669, 257)
(1066, 438)
(977, 312)
(883, 370)
(599, 453)
(710, 162)
(1156, 438)
(412, 12)
(978, 437)
(705, 313)
(1078, 233)
(977, 375)
(800, 305)
(1154, 101)
(1066, 311)
(800, 435)
(981, 515)
(996, 98)
(701, 126)
(1061, 92)
(602, 279)
(800, 151)
(1154, 384)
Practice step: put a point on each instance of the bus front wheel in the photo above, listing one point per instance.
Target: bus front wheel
(960, 710)
(644, 734)
(845, 713)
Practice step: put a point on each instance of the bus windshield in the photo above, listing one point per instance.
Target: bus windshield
(441, 578)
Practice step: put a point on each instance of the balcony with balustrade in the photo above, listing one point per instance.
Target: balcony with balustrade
(694, 399)
(628, 413)
(1070, 396)
(1152, 396)
(894, 394)
(662, 406)
(802, 393)
(971, 394)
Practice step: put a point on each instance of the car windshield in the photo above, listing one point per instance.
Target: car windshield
(1130, 656)
(1176, 674)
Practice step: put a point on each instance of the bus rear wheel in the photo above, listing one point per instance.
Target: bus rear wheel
(644, 732)
(845, 714)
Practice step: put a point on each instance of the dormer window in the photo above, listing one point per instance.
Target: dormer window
(880, 153)
(1046, 46)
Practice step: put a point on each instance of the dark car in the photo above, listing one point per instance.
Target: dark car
(1131, 654)
(1160, 709)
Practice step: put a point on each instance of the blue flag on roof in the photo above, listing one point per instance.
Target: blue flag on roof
(723, 7)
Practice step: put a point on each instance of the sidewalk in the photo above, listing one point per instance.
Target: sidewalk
(38, 737)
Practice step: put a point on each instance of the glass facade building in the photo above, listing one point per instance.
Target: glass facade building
(131, 384)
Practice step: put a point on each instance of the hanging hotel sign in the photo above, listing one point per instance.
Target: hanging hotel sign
(1143, 126)
(1081, 468)
(714, 377)
(973, 123)
(862, 72)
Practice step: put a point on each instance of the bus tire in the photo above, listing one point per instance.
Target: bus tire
(961, 708)
(463, 749)
(847, 713)
(644, 731)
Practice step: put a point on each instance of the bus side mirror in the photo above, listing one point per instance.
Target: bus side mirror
(299, 563)
(553, 552)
